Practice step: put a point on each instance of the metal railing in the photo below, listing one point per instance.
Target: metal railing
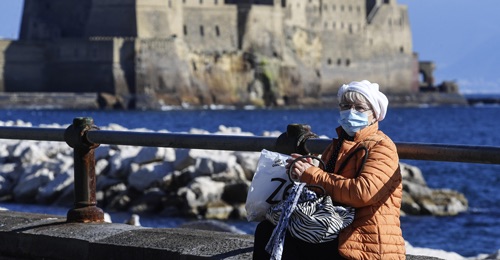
(84, 137)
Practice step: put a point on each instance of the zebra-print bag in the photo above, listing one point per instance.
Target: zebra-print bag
(315, 219)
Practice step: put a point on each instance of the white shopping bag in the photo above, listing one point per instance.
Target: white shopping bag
(270, 184)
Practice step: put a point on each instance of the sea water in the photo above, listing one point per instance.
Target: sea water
(468, 234)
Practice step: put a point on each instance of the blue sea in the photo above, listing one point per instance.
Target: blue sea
(474, 232)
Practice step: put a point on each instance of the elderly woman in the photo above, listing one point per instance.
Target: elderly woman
(362, 171)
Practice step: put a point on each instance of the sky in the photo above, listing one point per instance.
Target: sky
(461, 37)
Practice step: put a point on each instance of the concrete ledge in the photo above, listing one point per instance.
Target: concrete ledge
(40, 236)
(50, 237)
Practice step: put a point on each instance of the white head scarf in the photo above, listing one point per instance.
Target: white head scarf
(371, 91)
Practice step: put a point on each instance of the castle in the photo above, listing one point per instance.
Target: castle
(147, 53)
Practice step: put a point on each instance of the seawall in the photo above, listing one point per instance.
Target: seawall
(41, 236)
(67, 100)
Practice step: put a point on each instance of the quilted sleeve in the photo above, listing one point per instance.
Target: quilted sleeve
(377, 179)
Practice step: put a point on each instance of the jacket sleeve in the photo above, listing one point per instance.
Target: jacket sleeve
(377, 179)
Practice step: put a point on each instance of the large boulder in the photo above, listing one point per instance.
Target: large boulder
(419, 199)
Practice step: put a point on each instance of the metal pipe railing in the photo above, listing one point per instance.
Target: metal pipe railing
(84, 137)
(413, 151)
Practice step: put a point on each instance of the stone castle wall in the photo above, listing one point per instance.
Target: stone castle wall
(210, 28)
(171, 52)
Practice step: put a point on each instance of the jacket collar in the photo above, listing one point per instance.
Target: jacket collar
(363, 133)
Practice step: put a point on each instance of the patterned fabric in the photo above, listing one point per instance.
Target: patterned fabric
(312, 219)
(286, 207)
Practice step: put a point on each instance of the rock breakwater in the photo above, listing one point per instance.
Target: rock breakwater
(171, 182)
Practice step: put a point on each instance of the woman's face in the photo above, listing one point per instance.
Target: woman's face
(359, 106)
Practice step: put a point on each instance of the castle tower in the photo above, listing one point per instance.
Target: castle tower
(134, 18)
(112, 18)
(54, 19)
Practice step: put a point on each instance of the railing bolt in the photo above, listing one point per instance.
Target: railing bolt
(85, 178)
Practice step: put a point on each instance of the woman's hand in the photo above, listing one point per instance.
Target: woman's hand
(299, 167)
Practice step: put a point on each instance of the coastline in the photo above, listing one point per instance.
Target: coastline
(96, 101)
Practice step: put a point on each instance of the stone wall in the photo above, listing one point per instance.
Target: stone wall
(211, 28)
(154, 52)
(53, 19)
(23, 66)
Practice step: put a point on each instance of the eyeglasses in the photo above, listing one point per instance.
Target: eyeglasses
(357, 107)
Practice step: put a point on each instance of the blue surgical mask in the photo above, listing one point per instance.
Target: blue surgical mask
(352, 121)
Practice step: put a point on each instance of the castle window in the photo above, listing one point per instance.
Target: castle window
(183, 1)
(401, 49)
(201, 2)
(329, 61)
(334, 25)
(202, 31)
(339, 61)
(347, 62)
(217, 31)
(216, 2)
(169, 3)
(350, 28)
(185, 30)
(194, 65)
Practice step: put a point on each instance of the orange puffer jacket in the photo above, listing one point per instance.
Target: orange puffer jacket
(376, 194)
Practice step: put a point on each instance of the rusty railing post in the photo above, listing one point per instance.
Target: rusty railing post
(85, 209)
(294, 139)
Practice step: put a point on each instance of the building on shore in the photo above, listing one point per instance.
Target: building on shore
(148, 53)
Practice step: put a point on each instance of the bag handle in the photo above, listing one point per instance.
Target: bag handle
(289, 173)
(365, 157)
(298, 159)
